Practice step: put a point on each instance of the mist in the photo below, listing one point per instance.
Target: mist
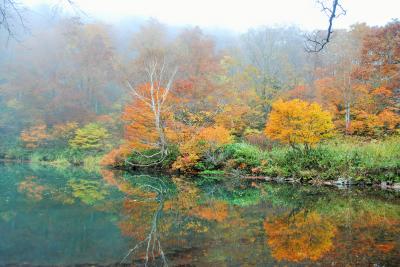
(199, 133)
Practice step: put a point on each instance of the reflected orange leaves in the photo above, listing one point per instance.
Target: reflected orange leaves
(187, 197)
(35, 191)
(339, 237)
(109, 177)
(31, 188)
(138, 210)
(320, 235)
(125, 186)
(305, 236)
(371, 229)
(188, 202)
(369, 219)
(216, 210)
(138, 221)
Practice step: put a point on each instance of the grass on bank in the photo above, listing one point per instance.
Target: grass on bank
(347, 158)
(341, 158)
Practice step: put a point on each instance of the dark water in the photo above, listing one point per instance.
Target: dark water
(72, 217)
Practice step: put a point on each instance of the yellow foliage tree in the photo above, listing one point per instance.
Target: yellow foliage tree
(388, 120)
(298, 122)
(91, 137)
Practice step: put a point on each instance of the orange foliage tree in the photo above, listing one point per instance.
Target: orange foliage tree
(145, 116)
(140, 129)
(202, 144)
(35, 136)
(298, 122)
(379, 70)
(63, 132)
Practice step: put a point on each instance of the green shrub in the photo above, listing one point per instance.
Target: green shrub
(243, 153)
(153, 157)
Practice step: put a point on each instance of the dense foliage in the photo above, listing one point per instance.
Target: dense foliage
(298, 122)
(189, 102)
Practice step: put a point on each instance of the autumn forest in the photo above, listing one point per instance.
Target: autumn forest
(183, 100)
(132, 137)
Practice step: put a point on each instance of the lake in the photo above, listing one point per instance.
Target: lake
(51, 216)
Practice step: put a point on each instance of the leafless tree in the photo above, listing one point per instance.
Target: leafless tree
(11, 16)
(316, 41)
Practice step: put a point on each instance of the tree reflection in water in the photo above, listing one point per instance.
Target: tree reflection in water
(304, 236)
(31, 188)
(174, 221)
(143, 206)
(336, 227)
(285, 224)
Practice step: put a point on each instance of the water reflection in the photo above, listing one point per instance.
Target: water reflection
(75, 217)
(87, 191)
(31, 188)
(302, 236)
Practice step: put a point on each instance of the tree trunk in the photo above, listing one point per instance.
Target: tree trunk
(347, 118)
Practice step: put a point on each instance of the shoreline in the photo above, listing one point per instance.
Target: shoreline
(340, 183)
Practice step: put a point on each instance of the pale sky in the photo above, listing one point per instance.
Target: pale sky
(238, 15)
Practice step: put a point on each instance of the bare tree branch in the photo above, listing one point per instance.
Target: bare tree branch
(159, 76)
(153, 238)
(316, 41)
(11, 16)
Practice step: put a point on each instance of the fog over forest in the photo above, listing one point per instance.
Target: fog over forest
(269, 135)
(48, 47)
(147, 85)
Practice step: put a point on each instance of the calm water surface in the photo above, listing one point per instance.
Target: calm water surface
(59, 217)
